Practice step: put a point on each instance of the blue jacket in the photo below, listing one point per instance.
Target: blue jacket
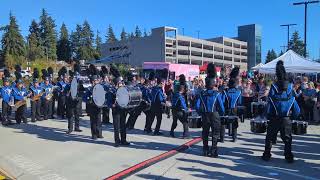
(62, 85)
(281, 103)
(6, 93)
(47, 89)
(232, 98)
(19, 94)
(157, 96)
(146, 93)
(178, 102)
(35, 90)
(210, 101)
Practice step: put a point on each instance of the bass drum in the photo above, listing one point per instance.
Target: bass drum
(99, 95)
(128, 97)
(74, 88)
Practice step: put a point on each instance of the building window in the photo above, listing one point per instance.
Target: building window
(171, 34)
(207, 55)
(236, 45)
(237, 60)
(226, 43)
(184, 43)
(227, 58)
(243, 53)
(218, 49)
(183, 61)
(244, 60)
(208, 47)
(196, 62)
(196, 45)
(229, 51)
(244, 47)
(236, 52)
(195, 53)
(183, 52)
(218, 57)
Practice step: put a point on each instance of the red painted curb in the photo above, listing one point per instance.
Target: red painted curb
(144, 164)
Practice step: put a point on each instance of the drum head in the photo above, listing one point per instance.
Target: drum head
(122, 97)
(74, 88)
(98, 95)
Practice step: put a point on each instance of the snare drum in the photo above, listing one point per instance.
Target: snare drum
(99, 95)
(231, 122)
(128, 96)
(258, 126)
(299, 127)
(194, 120)
(258, 108)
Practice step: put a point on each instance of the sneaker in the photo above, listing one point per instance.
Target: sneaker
(266, 157)
(77, 130)
(125, 143)
(157, 133)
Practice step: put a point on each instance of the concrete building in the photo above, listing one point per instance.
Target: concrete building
(252, 35)
(165, 44)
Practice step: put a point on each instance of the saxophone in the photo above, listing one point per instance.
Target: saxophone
(19, 104)
(49, 96)
(37, 97)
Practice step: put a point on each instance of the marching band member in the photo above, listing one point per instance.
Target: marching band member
(232, 98)
(118, 114)
(7, 99)
(157, 102)
(210, 106)
(94, 111)
(106, 83)
(19, 94)
(148, 87)
(280, 102)
(55, 92)
(35, 101)
(62, 96)
(179, 109)
(47, 97)
(74, 105)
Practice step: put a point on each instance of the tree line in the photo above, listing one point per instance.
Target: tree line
(295, 44)
(43, 42)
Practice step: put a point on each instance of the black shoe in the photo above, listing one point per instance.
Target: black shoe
(77, 130)
(234, 140)
(214, 153)
(157, 133)
(172, 134)
(100, 137)
(266, 156)
(116, 144)
(32, 120)
(94, 137)
(205, 153)
(125, 143)
(69, 132)
(289, 159)
(148, 131)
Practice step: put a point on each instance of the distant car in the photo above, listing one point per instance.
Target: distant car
(26, 74)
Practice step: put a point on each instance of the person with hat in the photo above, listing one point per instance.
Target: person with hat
(36, 93)
(19, 93)
(93, 109)
(158, 100)
(210, 106)
(281, 102)
(47, 97)
(7, 98)
(61, 95)
(54, 98)
(179, 109)
(74, 105)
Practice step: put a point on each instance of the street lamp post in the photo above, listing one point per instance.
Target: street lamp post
(288, 30)
(305, 21)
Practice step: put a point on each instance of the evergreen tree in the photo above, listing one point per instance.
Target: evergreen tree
(76, 42)
(110, 35)
(131, 36)
(271, 55)
(281, 53)
(48, 35)
(64, 45)
(87, 50)
(98, 46)
(296, 44)
(34, 48)
(138, 32)
(123, 35)
(145, 33)
(12, 42)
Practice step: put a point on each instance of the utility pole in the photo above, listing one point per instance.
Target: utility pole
(198, 34)
(305, 21)
(288, 31)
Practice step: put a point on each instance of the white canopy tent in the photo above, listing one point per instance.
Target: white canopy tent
(293, 63)
(257, 66)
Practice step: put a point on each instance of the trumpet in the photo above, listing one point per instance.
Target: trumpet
(49, 96)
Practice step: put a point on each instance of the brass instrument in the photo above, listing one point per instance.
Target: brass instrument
(49, 96)
(37, 97)
(19, 104)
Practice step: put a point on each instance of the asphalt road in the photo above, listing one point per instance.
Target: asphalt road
(43, 151)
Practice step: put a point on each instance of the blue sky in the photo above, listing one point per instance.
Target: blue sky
(211, 17)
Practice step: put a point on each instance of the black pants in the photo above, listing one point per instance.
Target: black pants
(105, 115)
(285, 127)
(231, 124)
(35, 110)
(119, 124)
(47, 109)
(155, 113)
(95, 120)
(21, 114)
(62, 105)
(6, 110)
(133, 116)
(210, 120)
(178, 115)
(148, 119)
(73, 115)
